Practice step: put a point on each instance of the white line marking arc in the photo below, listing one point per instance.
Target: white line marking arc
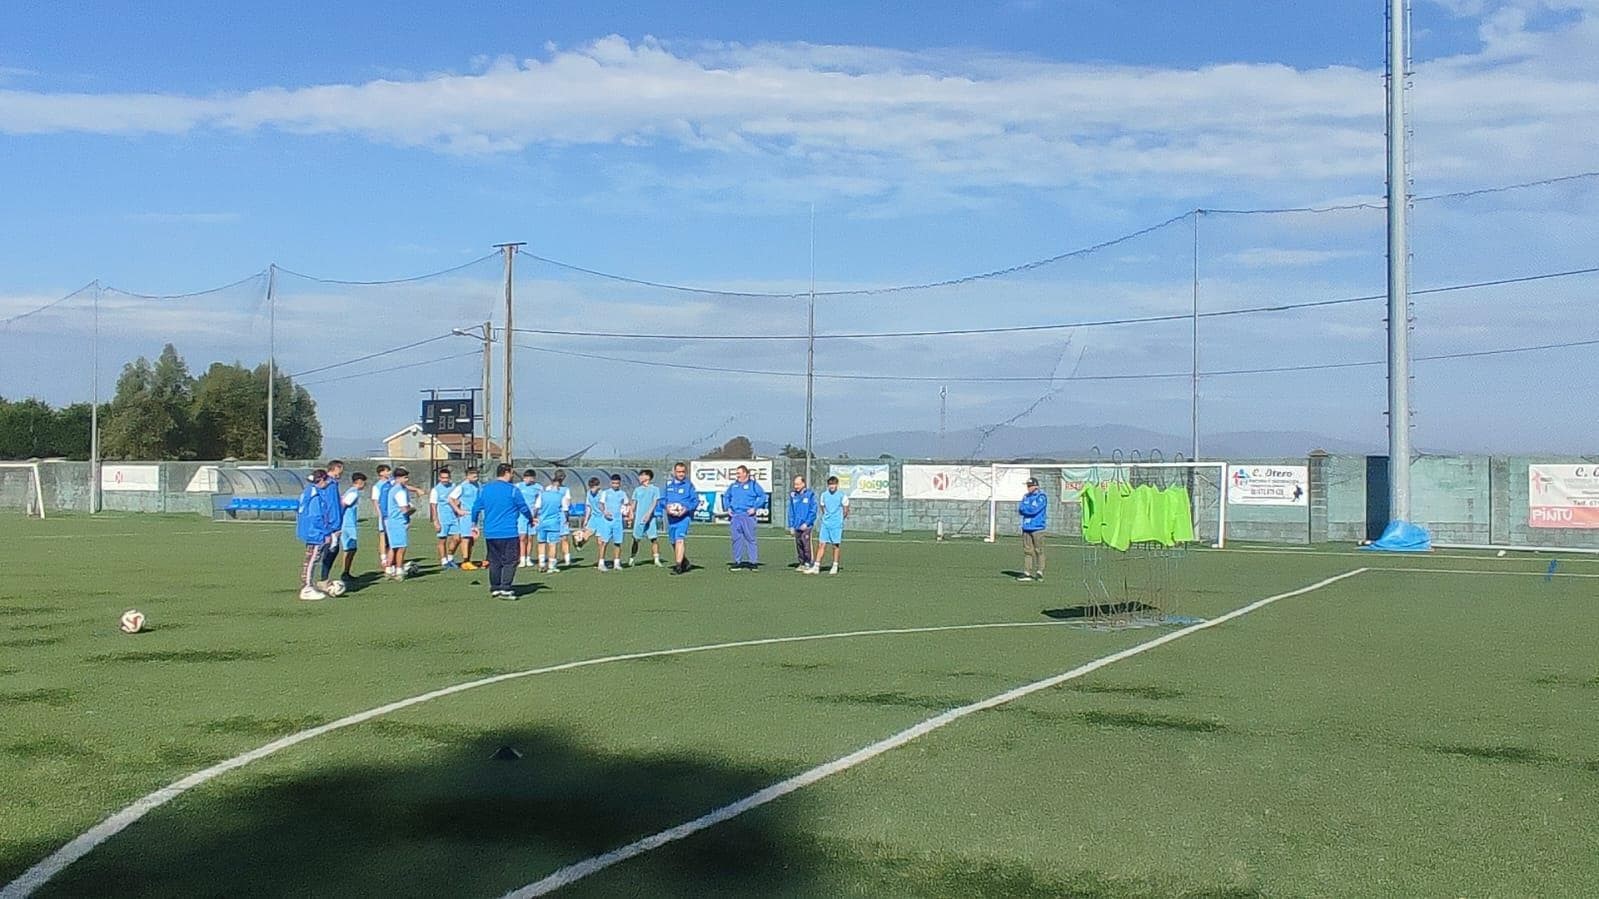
(572, 873)
(40, 874)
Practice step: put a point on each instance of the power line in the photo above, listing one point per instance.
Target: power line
(413, 278)
(207, 291)
(384, 371)
(50, 305)
(380, 353)
(1058, 326)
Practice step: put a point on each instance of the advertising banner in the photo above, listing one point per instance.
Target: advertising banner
(1563, 496)
(963, 482)
(132, 478)
(712, 476)
(860, 481)
(1268, 485)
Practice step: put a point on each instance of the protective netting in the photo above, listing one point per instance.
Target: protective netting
(1098, 342)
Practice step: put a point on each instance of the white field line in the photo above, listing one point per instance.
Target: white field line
(41, 873)
(575, 872)
(1478, 571)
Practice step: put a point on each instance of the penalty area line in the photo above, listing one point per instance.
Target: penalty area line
(571, 874)
(42, 873)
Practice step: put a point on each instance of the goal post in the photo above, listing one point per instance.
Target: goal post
(1206, 482)
(22, 487)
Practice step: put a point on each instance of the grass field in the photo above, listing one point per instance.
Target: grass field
(1399, 732)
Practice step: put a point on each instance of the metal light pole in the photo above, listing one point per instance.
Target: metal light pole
(272, 363)
(94, 409)
(1398, 267)
(488, 379)
(509, 249)
(810, 356)
(1193, 395)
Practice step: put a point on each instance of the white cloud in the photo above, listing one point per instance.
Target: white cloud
(861, 121)
(1275, 257)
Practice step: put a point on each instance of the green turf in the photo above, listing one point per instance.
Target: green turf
(1394, 734)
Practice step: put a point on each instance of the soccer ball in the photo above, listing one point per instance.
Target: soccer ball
(336, 588)
(580, 536)
(411, 568)
(676, 510)
(132, 621)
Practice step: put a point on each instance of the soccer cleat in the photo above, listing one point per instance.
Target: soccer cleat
(469, 565)
(834, 571)
(311, 594)
(1024, 578)
(658, 562)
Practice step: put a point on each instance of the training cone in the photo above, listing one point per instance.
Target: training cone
(506, 754)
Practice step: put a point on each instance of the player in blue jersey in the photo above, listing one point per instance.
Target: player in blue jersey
(681, 502)
(553, 505)
(380, 511)
(398, 524)
(591, 508)
(444, 518)
(614, 508)
(646, 516)
(834, 508)
(462, 497)
(348, 530)
(527, 528)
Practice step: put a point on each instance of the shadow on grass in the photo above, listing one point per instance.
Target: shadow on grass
(449, 820)
(1072, 613)
(432, 812)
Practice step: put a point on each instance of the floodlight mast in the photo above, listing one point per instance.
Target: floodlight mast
(1398, 266)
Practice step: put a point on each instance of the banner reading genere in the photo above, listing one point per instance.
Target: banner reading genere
(1563, 496)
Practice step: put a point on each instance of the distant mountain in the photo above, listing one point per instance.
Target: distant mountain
(1063, 442)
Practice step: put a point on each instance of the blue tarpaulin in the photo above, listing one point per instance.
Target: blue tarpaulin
(1403, 537)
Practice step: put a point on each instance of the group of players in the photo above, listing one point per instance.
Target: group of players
(525, 524)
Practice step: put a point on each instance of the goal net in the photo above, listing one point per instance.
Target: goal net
(1064, 481)
(21, 488)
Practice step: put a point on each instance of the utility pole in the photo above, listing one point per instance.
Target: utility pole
(272, 364)
(488, 380)
(943, 412)
(1193, 395)
(810, 357)
(94, 409)
(509, 249)
(1398, 266)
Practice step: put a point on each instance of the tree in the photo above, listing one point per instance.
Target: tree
(790, 451)
(737, 448)
(161, 412)
(137, 425)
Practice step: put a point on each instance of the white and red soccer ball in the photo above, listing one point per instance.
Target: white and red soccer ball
(132, 621)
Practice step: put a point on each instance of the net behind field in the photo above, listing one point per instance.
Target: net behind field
(1284, 309)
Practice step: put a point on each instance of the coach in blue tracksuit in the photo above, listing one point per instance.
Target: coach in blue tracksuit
(333, 504)
(495, 513)
(1034, 511)
(802, 520)
(744, 499)
(679, 492)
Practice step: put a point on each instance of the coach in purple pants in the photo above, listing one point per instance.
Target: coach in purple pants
(744, 499)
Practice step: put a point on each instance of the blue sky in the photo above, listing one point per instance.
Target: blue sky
(188, 145)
